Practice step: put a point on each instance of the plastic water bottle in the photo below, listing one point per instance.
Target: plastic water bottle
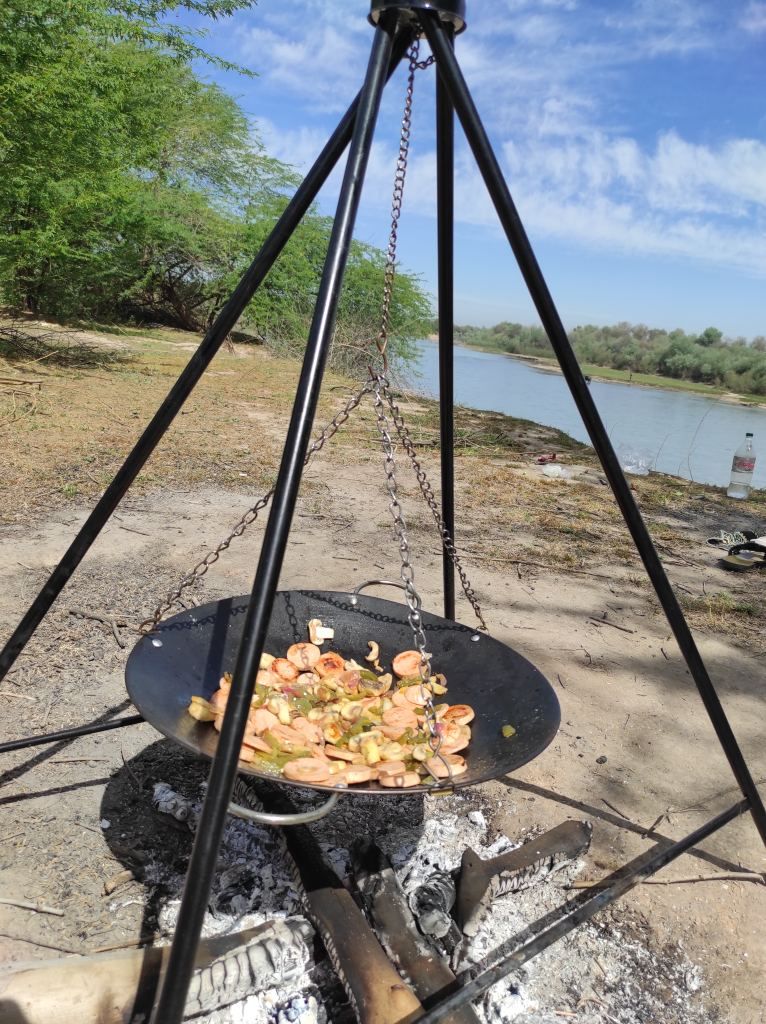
(742, 466)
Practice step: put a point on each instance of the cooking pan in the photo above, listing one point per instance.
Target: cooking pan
(187, 654)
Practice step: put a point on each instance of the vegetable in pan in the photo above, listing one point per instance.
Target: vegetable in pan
(319, 718)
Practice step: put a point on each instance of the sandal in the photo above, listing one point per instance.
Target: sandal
(727, 540)
(749, 555)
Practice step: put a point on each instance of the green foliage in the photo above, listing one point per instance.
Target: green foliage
(709, 358)
(281, 310)
(129, 187)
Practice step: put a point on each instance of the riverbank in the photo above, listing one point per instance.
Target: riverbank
(550, 559)
(675, 432)
(609, 375)
(646, 380)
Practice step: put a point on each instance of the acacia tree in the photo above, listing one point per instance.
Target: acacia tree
(104, 126)
(130, 187)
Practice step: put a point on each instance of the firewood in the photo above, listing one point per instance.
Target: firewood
(117, 988)
(482, 881)
(375, 989)
(396, 928)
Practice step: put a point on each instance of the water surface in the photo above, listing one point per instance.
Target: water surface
(677, 432)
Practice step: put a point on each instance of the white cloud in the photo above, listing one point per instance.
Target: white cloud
(324, 64)
(658, 27)
(575, 176)
(753, 18)
(692, 201)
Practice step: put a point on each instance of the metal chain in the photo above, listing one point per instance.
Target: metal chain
(382, 339)
(430, 499)
(251, 515)
(396, 200)
(407, 575)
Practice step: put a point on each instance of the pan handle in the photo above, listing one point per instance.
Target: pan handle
(299, 818)
(378, 583)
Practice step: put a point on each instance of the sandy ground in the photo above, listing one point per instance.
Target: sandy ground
(635, 743)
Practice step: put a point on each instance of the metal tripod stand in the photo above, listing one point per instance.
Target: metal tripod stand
(396, 24)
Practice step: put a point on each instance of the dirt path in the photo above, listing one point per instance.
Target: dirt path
(635, 744)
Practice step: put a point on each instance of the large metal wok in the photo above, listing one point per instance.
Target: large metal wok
(187, 655)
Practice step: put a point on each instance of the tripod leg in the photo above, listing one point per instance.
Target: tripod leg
(225, 321)
(169, 1009)
(455, 84)
(445, 202)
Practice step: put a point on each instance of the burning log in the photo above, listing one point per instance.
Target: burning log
(482, 881)
(396, 929)
(118, 988)
(375, 989)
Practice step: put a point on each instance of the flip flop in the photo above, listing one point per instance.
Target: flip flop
(743, 557)
(727, 540)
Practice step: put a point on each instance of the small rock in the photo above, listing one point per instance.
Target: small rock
(601, 760)
(105, 823)
(693, 979)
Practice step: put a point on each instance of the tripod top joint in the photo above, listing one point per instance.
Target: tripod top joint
(452, 12)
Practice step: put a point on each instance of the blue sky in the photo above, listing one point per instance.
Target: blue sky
(633, 136)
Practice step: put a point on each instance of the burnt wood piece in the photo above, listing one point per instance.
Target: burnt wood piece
(396, 928)
(375, 990)
(120, 987)
(431, 903)
(482, 881)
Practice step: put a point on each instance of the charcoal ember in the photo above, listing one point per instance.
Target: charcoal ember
(238, 888)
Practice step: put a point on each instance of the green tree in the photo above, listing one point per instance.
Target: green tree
(77, 126)
(710, 336)
(130, 187)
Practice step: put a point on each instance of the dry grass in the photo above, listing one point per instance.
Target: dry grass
(67, 438)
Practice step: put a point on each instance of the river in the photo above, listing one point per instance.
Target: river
(688, 435)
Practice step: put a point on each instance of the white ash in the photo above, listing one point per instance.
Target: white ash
(167, 801)
(253, 884)
(604, 971)
(477, 818)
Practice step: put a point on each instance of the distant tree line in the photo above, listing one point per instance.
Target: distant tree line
(130, 188)
(707, 358)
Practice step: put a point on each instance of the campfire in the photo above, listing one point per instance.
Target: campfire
(376, 912)
(425, 886)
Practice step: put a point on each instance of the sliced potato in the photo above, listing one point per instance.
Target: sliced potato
(306, 769)
(460, 713)
(324, 717)
(328, 663)
(285, 669)
(407, 663)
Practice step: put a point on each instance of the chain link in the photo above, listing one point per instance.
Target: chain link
(430, 499)
(407, 575)
(396, 201)
(251, 515)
